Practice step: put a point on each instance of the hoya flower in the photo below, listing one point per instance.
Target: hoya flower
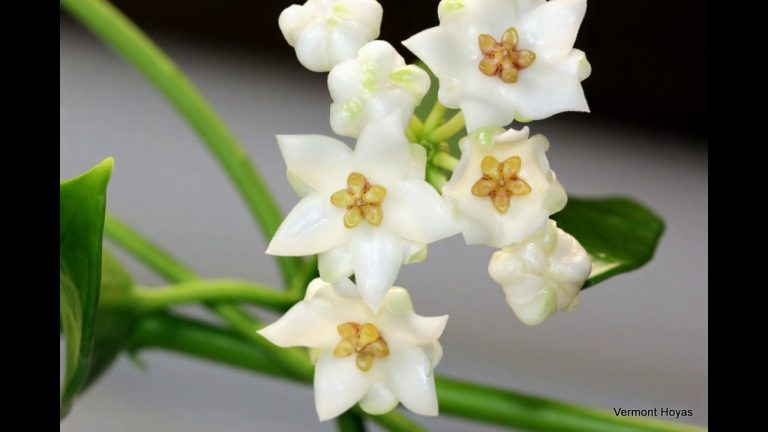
(499, 60)
(327, 32)
(541, 275)
(369, 209)
(375, 358)
(373, 85)
(503, 190)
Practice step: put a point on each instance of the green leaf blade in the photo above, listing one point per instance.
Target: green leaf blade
(619, 234)
(81, 223)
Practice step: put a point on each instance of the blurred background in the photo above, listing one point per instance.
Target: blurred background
(637, 341)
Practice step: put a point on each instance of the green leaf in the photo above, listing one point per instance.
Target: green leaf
(619, 233)
(81, 222)
(112, 326)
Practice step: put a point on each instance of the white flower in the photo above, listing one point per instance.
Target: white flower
(503, 190)
(542, 274)
(499, 60)
(369, 209)
(327, 32)
(373, 85)
(376, 358)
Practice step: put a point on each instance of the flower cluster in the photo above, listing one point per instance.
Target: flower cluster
(367, 211)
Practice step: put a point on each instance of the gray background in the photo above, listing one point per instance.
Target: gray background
(636, 341)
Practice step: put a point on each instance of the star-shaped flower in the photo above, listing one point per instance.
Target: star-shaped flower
(373, 85)
(500, 60)
(542, 274)
(366, 211)
(327, 32)
(375, 358)
(503, 190)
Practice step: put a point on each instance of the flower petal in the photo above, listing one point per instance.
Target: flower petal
(377, 255)
(293, 20)
(365, 12)
(544, 90)
(313, 226)
(533, 299)
(321, 162)
(335, 264)
(408, 372)
(339, 385)
(550, 29)
(417, 213)
(307, 324)
(378, 400)
(383, 153)
(398, 321)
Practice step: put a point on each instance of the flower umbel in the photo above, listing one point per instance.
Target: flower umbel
(327, 32)
(542, 274)
(503, 190)
(375, 358)
(532, 73)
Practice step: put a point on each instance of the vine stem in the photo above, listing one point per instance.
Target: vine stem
(117, 31)
(456, 397)
(145, 300)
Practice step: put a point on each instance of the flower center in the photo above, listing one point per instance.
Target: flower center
(500, 181)
(363, 340)
(362, 201)
(503, 58)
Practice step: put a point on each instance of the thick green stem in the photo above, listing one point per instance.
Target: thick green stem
(204, 341)
(144, 300)
(457, 398)
(117, 31)
(434, 118)
(448, 129)
(445, 161)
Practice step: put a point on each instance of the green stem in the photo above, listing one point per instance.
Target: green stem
(456, 398)
(145, 251)
(434, 118)
(145, 300)
(448, 129)
(445, 161)
(117, 31)
(436, 179)
(183, 335)
(415, 126)
(350, 421)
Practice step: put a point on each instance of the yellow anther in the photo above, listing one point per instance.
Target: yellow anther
(362, 201)
(353, 217)
(375, 194)
(503, 59)
(500, 181)
(363, 340)
(490, 167)
(364, 361)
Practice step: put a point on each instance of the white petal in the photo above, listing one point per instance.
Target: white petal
(383, 153)
(293, 20)
(399, 324)
(408, 373)
(550, 29)
(307, 323)
(365, 12)
(345, 38)
(533, 299)
(312, 47)
(544, 90)
(418, 164)
(570, 261)
(487, 111)
(414, 252)
(415, 210)
(339, 385)
(506, 268)
(577, 64)
(376, 258)
(313, 226)
(378, 400)
(435, 352)
(321, 162)
(345, 81)
(335, 264)
(411, 78)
